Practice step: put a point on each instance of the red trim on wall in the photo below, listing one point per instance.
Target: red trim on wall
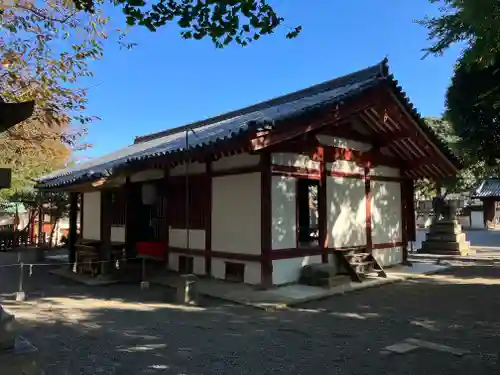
(368, 208)
(387, 245)
(291, 171)
(278, 254)
(266, 223)
(208, 222)
(315, 174)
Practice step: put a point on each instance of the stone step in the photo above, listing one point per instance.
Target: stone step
(441, 245)
(446, 237)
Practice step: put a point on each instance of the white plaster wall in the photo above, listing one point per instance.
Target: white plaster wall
(235, 161)
(284, 223)
(252, 270)
(147, 175)
(346, 212)
(389, 257)
(328, 140)
(294, 160)
(118, 233)
(198, 263)
(178, 238)
(194, 168)
(92, 215)
(344, 166)
(236, 220)
(381, 170)
(386, 211)
(288, 270)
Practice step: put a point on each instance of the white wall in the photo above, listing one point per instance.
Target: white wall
(235, 161)
(283, 200)
(252, 270)
(346, 212)
(92, 215)
(236, 214)
(294, 160)
(386, 212)
(389, 257)
(345, 166)
(118, 233)
(178, 238)
(328, 140)
(288, 270)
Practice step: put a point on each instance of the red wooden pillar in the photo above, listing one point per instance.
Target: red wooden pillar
(81, 215)
(266, 221)
(322, 206)
(368, 210)
(166, 216)
(73, 212)
(40, 224)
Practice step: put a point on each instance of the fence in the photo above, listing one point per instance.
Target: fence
(12, 239)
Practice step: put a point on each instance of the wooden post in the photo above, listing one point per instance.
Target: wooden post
(81, 215)
(40, 223)
(322, 207)
(166, 223)
(129, 238)
(106, 213)
(73, 211)
(368, 209)
(208, 221)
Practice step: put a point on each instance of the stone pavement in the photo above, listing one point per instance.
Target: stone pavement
(292, 295)
(120, 330)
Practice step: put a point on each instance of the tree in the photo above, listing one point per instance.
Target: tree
(223, 21)
(45, 50)
(473, 107)
(476, 22)
(474, 169)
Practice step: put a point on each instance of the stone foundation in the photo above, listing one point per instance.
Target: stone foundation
(445, 237)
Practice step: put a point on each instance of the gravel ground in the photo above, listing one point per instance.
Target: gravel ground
(120, 330)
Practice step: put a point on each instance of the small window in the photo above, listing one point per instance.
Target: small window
(235, 272)
(185, 264)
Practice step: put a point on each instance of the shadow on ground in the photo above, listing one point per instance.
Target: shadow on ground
(120, 330)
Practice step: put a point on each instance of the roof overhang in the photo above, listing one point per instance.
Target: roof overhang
(14, 113)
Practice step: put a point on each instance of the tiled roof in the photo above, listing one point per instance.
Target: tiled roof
(221, 128)
(489, 188)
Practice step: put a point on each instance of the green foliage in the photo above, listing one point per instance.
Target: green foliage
(223, 21)
(46, 48)
(476, 22)
(475, 168)
(473, 107)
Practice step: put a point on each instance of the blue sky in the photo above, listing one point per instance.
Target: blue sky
(166, 81)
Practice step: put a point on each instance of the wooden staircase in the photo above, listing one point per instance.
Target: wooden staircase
(359, 265)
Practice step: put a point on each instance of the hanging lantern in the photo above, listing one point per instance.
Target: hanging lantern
(149, 194)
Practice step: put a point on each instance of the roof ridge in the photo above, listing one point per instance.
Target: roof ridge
(381, 68)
